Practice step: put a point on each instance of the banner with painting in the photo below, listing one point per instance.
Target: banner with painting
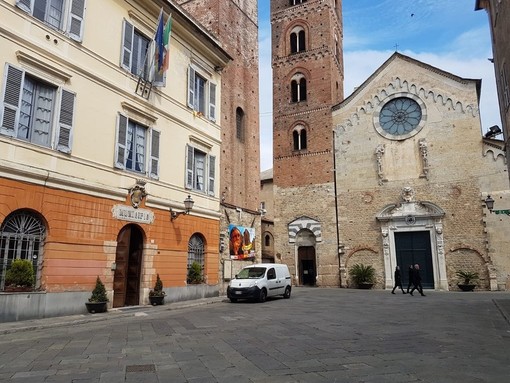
(242, 242)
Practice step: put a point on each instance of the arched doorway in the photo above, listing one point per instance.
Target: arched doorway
(412, 232)
(128, 261)
(306, 259)
(306, 265)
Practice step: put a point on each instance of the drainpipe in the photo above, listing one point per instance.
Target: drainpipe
(336, 211)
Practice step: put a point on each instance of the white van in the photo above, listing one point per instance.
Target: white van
(260, 281)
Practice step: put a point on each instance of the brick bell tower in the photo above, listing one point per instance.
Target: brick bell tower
(235, 24)
(308, 78)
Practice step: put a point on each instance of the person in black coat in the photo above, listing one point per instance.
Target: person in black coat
(417, 281)
(398, 280)
(411, 277)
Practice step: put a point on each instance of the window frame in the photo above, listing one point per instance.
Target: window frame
(72, 18)
(63, 110)
(129, 33)
(209, 107)
(151, 144)
(298, 88)
(209, 171)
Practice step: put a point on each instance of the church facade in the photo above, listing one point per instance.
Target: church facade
(413, 172)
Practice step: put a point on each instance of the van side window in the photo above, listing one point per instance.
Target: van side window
(271, 274)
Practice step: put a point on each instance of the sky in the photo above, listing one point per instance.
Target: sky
(447, 34)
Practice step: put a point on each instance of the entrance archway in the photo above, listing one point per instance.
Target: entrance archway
(412, 232)
(128, 261)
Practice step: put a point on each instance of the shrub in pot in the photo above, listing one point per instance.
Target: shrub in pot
(157, 295)
(20, 276)
(467, 280)
(98, 300)
(362, 275)
(195, 274)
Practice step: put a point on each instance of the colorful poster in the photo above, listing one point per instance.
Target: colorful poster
(242, 242)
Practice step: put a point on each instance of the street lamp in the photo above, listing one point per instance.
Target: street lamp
(489, 202)
(188, 205)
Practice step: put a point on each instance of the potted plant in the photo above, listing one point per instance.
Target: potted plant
(98, 300)
(20, 276)
(467, 278)
(362, 275)
(195, 274)
(157, 295)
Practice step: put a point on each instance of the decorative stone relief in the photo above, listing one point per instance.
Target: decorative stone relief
(137, 193)
(422, 143)
(408, 194)
(379, 152)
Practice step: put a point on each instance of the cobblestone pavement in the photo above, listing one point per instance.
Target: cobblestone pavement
(319, 335)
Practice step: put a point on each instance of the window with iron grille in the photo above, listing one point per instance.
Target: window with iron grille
(21, 237)
(196, 250)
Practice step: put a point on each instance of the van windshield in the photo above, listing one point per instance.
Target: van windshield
(251, 273)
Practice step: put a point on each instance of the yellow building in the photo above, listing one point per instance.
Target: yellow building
(97, 152)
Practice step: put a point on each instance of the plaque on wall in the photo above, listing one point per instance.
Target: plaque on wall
(128, 213)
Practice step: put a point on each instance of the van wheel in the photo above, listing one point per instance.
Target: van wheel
(233, 300)
(262, 295)
(286, 295)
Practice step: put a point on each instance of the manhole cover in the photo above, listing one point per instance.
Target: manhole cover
(141, 368)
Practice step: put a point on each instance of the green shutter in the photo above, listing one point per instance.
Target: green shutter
(75, 27)
(212, 173)
(191, 87)
(212, 101)
(11, 102)
(189, 166)
(127, 45)
(154, 155)
(120, 147)
(65, 122)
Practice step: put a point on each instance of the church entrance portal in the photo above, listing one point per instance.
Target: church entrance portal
(128, 260)
(413, 247)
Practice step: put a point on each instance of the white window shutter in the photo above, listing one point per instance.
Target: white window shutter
(191, 87)
(76, 15)
(13, 83)
(65, 122)
(212, 102)
(120, 147)
(212, 173)
(154, 155)
(25, 5)
(127, 45)
(189, 166)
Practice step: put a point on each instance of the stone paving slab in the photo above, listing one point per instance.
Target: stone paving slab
(319, 335)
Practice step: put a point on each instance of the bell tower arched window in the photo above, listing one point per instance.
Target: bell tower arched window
(298, 88)
(240, 124)
(297, 40)
(299, 137)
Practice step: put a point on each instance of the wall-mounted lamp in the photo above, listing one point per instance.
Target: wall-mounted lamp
(493, 131)
(489, 202)
(188, 205)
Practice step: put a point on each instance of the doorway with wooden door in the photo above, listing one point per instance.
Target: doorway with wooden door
(128, 261)
(306, 265)
(413, 247)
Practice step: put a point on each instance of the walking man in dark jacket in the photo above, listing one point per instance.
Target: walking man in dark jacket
(398, 280)
(417, 280)
(410, 274)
